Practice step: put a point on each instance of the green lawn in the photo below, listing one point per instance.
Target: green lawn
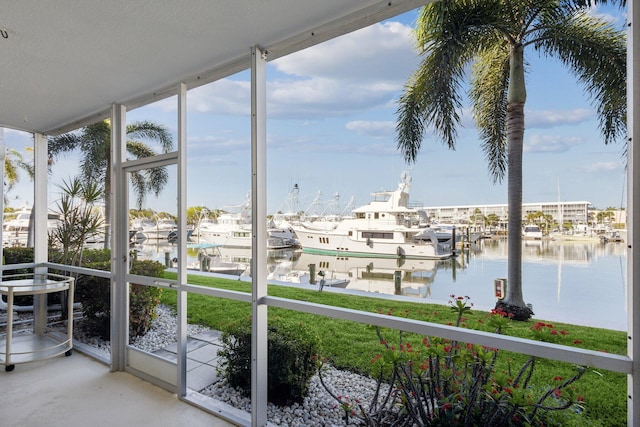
(351, 345)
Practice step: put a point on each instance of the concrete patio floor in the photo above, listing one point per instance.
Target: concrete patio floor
(80, 391)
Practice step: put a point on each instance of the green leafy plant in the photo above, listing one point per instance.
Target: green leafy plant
(292, 350)
(440, 382)
(95, 295)
(18, 255)
(80, 220)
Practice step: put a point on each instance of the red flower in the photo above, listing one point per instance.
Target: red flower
(576, 342)
(557, 378)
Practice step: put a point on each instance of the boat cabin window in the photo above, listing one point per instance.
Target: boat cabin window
(376, 215)
(376, 235)
(360, 215)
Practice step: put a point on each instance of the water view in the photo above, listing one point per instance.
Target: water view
(573, 282)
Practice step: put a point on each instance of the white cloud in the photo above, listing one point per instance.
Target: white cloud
(377, 129)
(380, 52)
(551, 118)
(551, 143)
(360, 71)
(614, 17)
(603, 167)
(204, 146)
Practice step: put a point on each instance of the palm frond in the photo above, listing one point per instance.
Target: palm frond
(62, 144)
(488, 94)
(449, 33)
(151, 131)
(410, 126)
(139, 184)
(596, 53)
(139, 149)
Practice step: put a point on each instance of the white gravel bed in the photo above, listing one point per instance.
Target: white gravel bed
(318, 409)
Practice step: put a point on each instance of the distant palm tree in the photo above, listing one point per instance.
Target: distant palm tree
(94, 142)
(13, 162)
(492, 35)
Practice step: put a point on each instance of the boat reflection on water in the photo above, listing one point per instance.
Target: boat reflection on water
(166, 253)
(406, 277)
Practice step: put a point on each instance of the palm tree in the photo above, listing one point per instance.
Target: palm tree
(13, 162)
(492, 35)
(94, 142)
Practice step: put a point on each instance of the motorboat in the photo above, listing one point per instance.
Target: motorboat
(16, 231)
(233, 230)
(160, 229)
(384, 228)
(20, 224)
(531, 231)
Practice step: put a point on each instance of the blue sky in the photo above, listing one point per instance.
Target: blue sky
(331, 119)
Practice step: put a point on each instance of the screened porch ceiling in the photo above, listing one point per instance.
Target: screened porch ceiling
(64, 63)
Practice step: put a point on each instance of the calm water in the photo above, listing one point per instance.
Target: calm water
(579, 282)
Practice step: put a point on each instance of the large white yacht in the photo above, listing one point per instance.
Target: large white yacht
(384, 228)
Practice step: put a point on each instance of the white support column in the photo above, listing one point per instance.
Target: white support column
(39, 221)
(182, 241)
(259, 236)
(119, 241)
(40, 197)
(633, 206)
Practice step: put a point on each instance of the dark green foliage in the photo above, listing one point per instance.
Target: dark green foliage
(95, 295)
(143, 300)
(17, 256)
(292, 351)
(22, 256)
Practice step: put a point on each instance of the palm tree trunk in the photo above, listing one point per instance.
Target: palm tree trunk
(513, 302)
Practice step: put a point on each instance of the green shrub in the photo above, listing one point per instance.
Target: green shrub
(17, 255)
(95, 295)
(143, 300)
(292, 350)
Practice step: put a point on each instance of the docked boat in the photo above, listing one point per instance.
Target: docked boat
(384, 228)
(154, 230)
(16, 231)
(233, 230)
(532, 232)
